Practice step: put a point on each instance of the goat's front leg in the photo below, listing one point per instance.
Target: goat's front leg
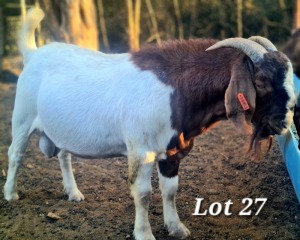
(168, 184)
(140, 172)
(70, 186)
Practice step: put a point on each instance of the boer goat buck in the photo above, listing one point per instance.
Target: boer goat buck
(147, 105)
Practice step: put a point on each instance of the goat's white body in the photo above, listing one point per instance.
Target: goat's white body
(93, 104)
(96, 105)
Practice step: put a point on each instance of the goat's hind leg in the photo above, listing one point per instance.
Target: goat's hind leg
(16, 151)
(70, 186)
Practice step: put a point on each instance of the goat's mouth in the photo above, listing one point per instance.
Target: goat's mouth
(279, 123)
(279, 126)
(263, 132)
(275, 130)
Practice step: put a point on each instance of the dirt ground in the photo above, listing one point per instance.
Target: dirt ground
(217, 170)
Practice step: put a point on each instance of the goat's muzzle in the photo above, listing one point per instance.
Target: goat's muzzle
(278, 127)
(264, 129)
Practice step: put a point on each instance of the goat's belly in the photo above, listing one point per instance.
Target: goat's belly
(86, 135)
(102, 152)
(87, 145)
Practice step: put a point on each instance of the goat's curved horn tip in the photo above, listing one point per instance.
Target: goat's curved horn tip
(210, 48)
(252, 49)
(266, 43)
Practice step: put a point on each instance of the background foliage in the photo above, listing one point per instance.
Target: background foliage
(193, 19)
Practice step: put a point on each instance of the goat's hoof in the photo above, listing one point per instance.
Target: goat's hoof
(143, 235)
(77, 196)
(11, 196)
(178, 230)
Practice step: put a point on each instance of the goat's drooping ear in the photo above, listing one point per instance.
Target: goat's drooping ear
(240, 111)
(241, 82)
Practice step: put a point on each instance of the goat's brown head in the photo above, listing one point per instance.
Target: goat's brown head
(267, 84)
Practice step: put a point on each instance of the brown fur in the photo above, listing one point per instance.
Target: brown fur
(241, 82)
(200, 80)
(184, 146)
(206, 85)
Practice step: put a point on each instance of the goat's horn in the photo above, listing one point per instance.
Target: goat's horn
(252, 49)
(266, 43)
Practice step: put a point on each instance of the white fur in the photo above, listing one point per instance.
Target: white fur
(70, 185)
(97, 101)
(289, 87)
(168, 187)
(93, 105)
(141, 164)
(27, 44)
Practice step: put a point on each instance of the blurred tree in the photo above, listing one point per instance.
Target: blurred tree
(103, 24)
(239, 20)
(178, 19)
(282, 7)
(123, 25)
(296, 14)
(72, 21)
(154, 31)
(1, 40)
(134, 14)
(193, 7)
(164, 12)
(23, 9)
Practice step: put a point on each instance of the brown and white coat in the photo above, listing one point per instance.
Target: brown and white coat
(148, 106)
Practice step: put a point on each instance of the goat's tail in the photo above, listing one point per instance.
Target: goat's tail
(27, 44)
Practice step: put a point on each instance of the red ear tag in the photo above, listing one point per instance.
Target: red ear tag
(243, 101)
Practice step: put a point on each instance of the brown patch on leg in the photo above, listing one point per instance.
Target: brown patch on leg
(133, 170)
(145, 199)
(171, 197)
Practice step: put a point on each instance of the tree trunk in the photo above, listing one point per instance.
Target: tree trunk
(72, 21)
(296, 14)
(134, 13)
(103, 25)
(154, 22)
(282, 6)
(193, 18)
(23, 9)
(178, 17)
(239, 18)
(222, 18)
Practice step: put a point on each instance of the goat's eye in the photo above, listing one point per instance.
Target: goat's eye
(292, 108)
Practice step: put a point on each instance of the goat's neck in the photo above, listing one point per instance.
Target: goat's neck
(199, 80)
(202, 107)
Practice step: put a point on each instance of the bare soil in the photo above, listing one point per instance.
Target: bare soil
(217, 170)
